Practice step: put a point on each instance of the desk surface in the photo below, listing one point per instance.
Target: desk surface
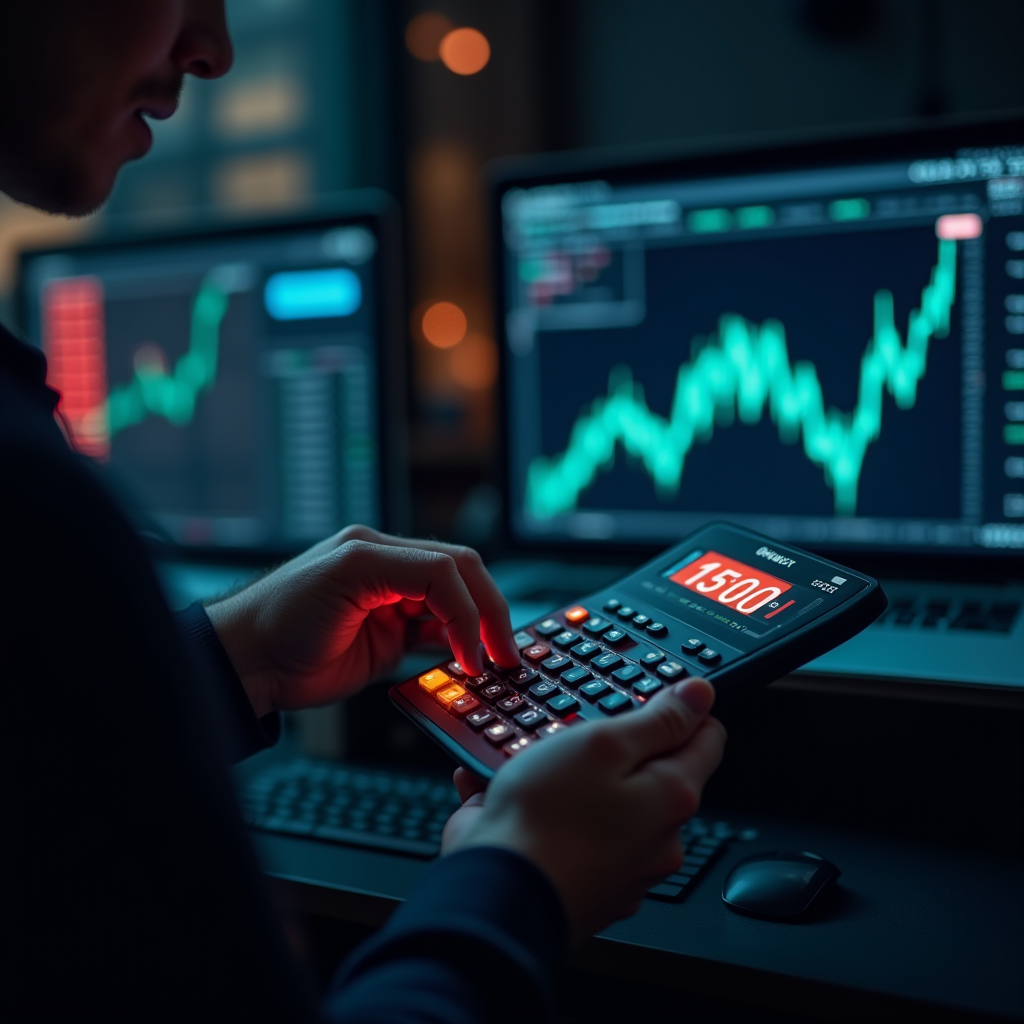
(912, 929)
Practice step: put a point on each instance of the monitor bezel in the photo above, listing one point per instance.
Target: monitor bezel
(372, 208)
(761, 153)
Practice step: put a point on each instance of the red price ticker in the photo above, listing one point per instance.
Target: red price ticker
(730, 582)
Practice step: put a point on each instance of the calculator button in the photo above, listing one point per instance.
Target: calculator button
(566, 638)
(625, 612)
(455, 669)
(607, 661)
(494, 692)
(551, 728)
(538, 652)
(478, 719)
(663, 891)
(516, 746)
(575, 676)
(556, 664)
(611, 604)
(614, 703)
(615, 636)
(530, 719)
(646, 686)
(543, 691)
(463, 705)
(641, 619)
(549, 627)
(671, 670)
(594, 690)
(523, 676)
(562, 705)
(657, 628)
(708, 656)
(627, 673)
(434, 679)
(523, 639)
(449, 693)
(498, 733)
(577, 614)
(586, 650)
(650, 656)
(693, 645)
(596, 626)
(477, 683)
(513, 704)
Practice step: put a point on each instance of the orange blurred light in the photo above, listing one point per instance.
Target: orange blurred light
(474, 364)
(465, 51)
(424, 33)
(443, 324)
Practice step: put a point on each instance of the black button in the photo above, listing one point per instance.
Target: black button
(646, 686)
(477, 683)
(614, 703)
(543, 690)
(625, 612)
(575, 676)
(531, 719)
(657, 628)
(453, 668)
(523, 676)
(594, 690)
(562, 705)
(586, 650)
(615, 636)
(611, 604)
(494, 692)
(641, 619)
(556, 664)
(498, 733)
(693, 645)
(566, 638)
(478, 719)
(627, 673)
(650, 656)
(708, 656)
(671, 670)
(607, 661)
(549, 627)
(513, 704)
(663, 891)
(596, 626)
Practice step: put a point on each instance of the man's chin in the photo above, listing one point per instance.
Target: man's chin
(69, 191)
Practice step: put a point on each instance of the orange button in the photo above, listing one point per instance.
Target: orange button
(434, 680)
(450, 693)
(577, 614)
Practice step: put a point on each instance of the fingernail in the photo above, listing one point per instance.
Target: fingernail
(691, 694)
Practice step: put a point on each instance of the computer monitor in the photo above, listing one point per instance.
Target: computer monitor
(245, 384)
(822, 340)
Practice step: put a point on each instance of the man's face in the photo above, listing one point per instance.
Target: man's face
(78, 78)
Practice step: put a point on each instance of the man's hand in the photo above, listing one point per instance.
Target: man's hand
(327, 622)
(598, 808)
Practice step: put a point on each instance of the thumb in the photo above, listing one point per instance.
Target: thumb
(667, 721)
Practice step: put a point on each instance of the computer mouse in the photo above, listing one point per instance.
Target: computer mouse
(778, 885)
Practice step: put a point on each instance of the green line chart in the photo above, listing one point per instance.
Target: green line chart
(744, 369)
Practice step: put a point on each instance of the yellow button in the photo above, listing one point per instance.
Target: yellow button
(577, 614)
(434, 680)
(450, 693)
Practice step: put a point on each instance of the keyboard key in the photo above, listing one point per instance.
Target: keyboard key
(562, 705)
(566, 638)
(664, 891)
(657, 628)
(627, 673)
(596, 626)
(549, 627)
(646, 686)
(671, 670)
(611, 605)
(641, 619)
(586, 650)
(615, 636)
(575, 676)
(615, 703)
(576, 614)
(708, 656)
(649, 656)
(543, 691)
(447, 694)
(531, 719)
(476, 683)
(693, 645)
(523, 677)
(516, 746)
(498, 733)
(625, 612)
(512, 704)
(462, 706)
(523, 639)
(556, 664)
(478, 719)
(607, 661)
(593, 690)
(455, 669)
(538, 652)
(494, 692)
(434, 679)
(551, 729)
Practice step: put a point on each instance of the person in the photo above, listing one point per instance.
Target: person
(130, 889)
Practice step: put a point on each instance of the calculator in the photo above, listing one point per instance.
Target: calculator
(728, 604)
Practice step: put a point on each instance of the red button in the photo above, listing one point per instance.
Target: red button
(577, 614)
(538, 652)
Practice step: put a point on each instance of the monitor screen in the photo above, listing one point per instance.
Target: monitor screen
(822, 342)
(230, 379)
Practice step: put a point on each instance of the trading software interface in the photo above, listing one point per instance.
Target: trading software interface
(230, 382)
(833, 355)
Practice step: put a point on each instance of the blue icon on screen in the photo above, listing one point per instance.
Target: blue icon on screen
(312, 294)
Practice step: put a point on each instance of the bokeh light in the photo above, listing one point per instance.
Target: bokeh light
(474, 364)
(443, 324)
(465, 51)
(424, 33)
